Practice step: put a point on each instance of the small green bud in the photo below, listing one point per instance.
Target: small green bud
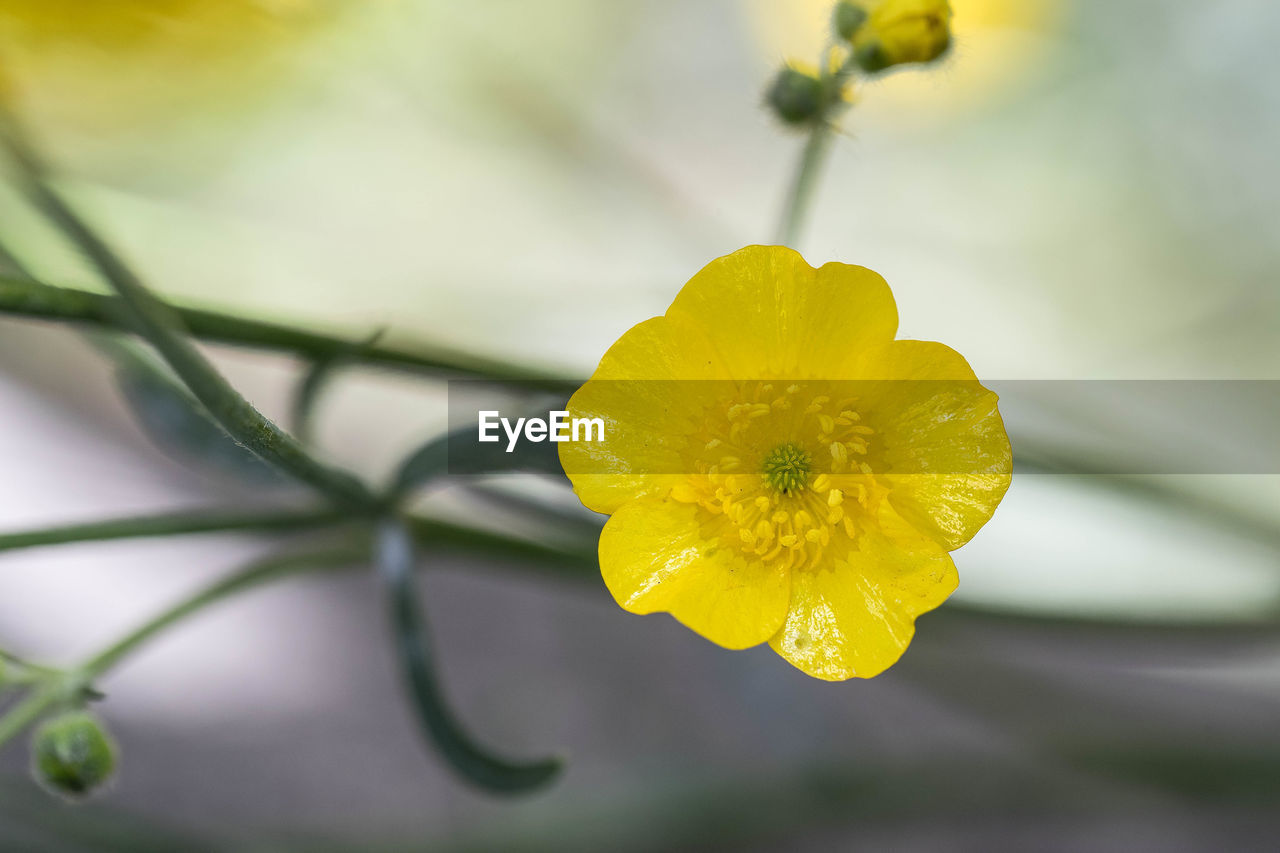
(72, 755)
(795, 96)
(872, 57)
(847, 18)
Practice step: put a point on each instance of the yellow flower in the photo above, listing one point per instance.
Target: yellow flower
(778, 468)
(1002, 49)
(901, 31)
(94, 65)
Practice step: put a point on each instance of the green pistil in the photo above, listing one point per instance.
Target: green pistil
(787, 468)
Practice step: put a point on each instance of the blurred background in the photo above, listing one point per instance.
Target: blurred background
(1084, 190)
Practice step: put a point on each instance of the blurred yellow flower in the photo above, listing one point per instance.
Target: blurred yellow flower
(998, 46)
(104, 65)
(902, 31)
(778, 468)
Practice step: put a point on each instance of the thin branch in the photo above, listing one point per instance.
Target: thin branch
(814, 155)
(32, 707)
(69, 687)
(177, 524)
(62, 687)
(267, 570)
(800, 196)
(25, 298)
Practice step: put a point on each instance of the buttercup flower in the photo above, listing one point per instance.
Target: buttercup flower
(902, 31)
(94, 66)
(1007, 46)
(779, 469)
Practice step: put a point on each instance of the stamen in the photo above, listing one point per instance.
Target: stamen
(787, 468)
(792, 507)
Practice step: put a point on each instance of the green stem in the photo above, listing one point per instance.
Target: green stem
(545, 515)
(63, 687)
(270, 569)
(396, 560)
(25, 665)
(163, 329)
(821, 133)
(569, 561)
(572, 559)
(806, 179)
(32, 707)
(24, 298)
(177, 524)
(307, 393)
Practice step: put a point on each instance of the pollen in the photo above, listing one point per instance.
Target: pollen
(783, 475)
(787, 468)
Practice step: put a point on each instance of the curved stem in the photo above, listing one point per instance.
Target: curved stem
(61, 687)
(323, 371)
(473, 762)
(58, 685)
(270, 569)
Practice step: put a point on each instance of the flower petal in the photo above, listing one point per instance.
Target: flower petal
(641, 394)
(855, 618)
(655, 558)
(660, 348)
(767, 313)
(943, 441)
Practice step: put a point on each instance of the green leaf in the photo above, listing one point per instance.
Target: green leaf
(177, 422)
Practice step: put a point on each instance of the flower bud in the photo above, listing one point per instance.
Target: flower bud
(902, 31)
(795, 96)
(72, 755)
(847, 19)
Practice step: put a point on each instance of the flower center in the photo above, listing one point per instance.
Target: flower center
(783, 474)
(786, 470)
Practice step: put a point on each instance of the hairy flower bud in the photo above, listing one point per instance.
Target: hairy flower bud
(72, 755)
(847, 19)
(795, 96)
(903, 31)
